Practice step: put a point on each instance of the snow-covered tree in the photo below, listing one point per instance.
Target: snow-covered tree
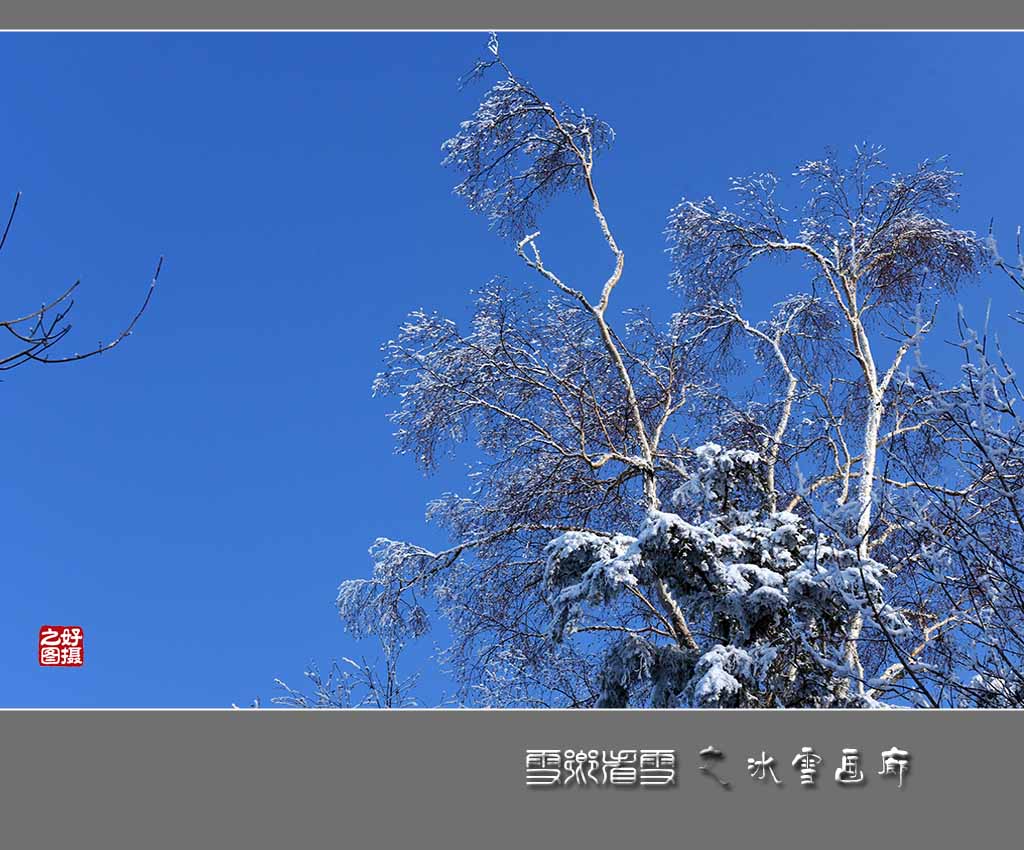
(968, 526)
(646, 525)
(350, 683)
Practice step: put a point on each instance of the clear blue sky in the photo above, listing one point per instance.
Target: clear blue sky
(194, 498)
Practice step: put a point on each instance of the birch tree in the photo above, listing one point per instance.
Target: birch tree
(876, 252)
(967, 527)
(637, 530)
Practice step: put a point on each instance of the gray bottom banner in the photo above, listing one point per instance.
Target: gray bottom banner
(475, 779)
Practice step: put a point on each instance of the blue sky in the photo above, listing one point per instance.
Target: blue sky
(194, 498)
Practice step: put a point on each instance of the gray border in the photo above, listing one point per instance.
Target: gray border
(252, 778)
(521, 14)
(144, 779)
